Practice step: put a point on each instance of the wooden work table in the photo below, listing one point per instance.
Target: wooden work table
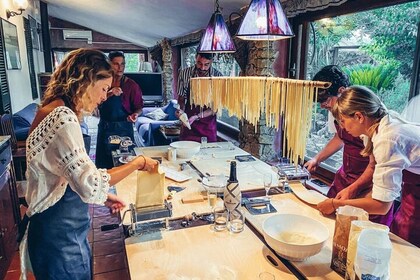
(201, 253)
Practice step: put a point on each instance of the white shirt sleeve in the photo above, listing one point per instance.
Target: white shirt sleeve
(331, 126)
(390, 160)
(75, 165)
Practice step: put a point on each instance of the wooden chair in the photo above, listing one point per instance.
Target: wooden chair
(6, 122)
(18, 147)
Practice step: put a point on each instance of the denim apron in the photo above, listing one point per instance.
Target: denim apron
(113, 122)
(354, 165)
(57, 240)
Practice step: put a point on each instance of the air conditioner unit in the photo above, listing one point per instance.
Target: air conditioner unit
(78, 35)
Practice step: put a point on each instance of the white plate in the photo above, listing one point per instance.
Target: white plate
(126, 159)
(309, 196)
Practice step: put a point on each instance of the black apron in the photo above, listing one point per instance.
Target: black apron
(113, 122)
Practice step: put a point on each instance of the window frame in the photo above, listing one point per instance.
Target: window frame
(299, 49)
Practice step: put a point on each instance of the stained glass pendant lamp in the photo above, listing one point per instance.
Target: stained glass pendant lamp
(265, 20)
(216, 39)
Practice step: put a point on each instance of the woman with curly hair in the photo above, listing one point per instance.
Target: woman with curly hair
(61, 177)
(395, 145)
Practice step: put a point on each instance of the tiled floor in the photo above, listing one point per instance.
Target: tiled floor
(108, 250)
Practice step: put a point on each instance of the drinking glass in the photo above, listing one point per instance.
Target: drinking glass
(212, 199)
(231, 145)
(220, 218)
(283, 183)
(203, 142)
(236, 220)
(267, 184)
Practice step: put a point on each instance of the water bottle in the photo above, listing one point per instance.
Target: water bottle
(232, 193)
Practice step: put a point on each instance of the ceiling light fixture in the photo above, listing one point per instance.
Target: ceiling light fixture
(216, 38)
(265, 21)
(21, 6)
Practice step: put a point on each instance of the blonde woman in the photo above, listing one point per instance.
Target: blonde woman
(395, 145)
(62, 179)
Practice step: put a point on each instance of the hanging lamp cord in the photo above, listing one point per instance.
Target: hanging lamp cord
(216, 6)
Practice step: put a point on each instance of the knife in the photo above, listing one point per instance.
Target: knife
(195, 169)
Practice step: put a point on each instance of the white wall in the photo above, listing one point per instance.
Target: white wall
(19, 82)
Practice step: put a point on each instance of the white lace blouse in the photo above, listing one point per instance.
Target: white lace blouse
(56, 157)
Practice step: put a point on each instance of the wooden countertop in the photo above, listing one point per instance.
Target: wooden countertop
(200, 253)
(404, 258)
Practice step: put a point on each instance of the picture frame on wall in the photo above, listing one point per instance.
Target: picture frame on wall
(41, 45)
(34, 33)
(11, 45)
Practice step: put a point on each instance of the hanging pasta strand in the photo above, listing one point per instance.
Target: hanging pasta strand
(282, 100)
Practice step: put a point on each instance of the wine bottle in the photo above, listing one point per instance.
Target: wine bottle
(232, 193)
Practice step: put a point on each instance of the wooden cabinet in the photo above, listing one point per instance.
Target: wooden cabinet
(9, 207)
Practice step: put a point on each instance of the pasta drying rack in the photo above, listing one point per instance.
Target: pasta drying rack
(292, 172)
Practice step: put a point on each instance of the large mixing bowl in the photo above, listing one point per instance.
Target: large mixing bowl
(215, 184)
(186, 149)
(294, 237)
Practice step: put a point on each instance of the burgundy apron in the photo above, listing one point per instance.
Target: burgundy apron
(204, 127)
(353, 163)
(353, 166)
(406, 223)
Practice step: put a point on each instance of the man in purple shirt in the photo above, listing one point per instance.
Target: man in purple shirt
(118, 113)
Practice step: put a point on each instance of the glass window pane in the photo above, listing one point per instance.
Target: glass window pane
(226, 64)
(375, 48)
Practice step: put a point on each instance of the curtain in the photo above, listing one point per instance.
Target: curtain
(293, 8)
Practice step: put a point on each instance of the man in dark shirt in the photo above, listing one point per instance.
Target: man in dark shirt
(118, 113)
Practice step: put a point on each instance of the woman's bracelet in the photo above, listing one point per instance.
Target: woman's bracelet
(332, 202)
(144, 165)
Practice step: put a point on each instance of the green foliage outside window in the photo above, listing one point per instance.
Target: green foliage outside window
(131, 62)
(376, 48)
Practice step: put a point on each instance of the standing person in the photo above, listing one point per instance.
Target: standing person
(118, 113)
(395, 145)
(202, 119)
(61, 178)
(354, 178)
(355, 175)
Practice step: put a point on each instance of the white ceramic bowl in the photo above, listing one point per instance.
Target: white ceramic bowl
(186, 149)
(295, 237)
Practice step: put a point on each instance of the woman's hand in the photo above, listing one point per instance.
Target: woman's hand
(311, 165)
(145, 163)
(327, 206)
(114, 203)
(346, 193)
